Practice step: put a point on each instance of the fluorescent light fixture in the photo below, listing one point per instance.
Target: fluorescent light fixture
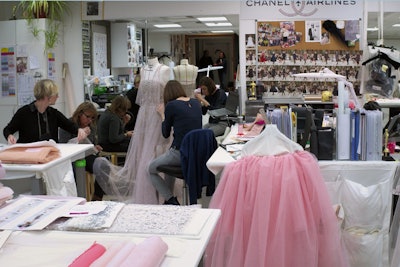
(396, 25)
(173, 25)
(218, 24)
(226, 31)
(212, 19)
(374, 29)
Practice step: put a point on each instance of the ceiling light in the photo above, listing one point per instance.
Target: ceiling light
(212, 19)
(226, 31)
(174, 25)
(218, 24)
(396, 25)
(374, 29)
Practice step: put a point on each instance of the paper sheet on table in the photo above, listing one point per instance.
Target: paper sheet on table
(35, 212)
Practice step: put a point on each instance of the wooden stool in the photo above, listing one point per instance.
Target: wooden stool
(89, 186)
(113, 156)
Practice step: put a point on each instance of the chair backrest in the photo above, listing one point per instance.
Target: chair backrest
(196, 148)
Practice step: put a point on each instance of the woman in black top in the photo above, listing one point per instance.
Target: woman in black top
(213, 99)
(38, 121)
(182, 114)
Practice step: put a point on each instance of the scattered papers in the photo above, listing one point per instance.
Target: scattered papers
(35, 212)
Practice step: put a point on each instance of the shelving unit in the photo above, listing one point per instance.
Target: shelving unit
(86, 51)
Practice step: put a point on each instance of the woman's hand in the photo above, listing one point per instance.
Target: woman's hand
(201, 99)
(126, 118)
(83, 133)
(160, 110)
(11, 139)
(129, 134)
(98, 148)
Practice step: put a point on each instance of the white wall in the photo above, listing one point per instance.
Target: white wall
(160, 42)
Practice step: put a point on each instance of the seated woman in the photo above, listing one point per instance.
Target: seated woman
(182, 114)
(214, 99)
(110, 127)
(39, 121)
(85, 115)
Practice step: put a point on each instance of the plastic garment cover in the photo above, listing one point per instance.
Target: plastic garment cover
(380, 80)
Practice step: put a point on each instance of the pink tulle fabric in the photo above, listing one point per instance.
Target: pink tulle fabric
(276, 212)
(149, 253)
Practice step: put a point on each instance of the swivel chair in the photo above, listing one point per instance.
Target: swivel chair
(196, 148)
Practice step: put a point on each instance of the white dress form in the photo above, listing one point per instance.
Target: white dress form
(186, 74)
(154, 66)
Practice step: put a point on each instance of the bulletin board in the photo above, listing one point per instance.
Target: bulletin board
(279, 49)
(296, 35)
(99, 54)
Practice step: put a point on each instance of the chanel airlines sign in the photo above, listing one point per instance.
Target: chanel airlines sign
(344, 10)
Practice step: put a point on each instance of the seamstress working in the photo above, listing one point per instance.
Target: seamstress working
(213, 99)
(39, 121)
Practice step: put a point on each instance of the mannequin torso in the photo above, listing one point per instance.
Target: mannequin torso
(154, 69)
(186, 74)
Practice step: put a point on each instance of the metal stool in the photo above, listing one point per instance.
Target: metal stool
(176, 171)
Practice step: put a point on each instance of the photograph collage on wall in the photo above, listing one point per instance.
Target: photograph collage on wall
(280, 49)
(135, 50)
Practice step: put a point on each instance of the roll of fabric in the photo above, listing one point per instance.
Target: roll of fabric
(89, 256)
(108, 255)
(122, 254)
(149, 253)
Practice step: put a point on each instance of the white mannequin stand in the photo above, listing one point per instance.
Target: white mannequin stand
(186, 74)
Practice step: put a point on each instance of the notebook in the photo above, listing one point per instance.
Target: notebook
(232, 103)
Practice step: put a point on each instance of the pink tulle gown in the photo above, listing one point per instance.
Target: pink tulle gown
(131, 183)
(276, 212)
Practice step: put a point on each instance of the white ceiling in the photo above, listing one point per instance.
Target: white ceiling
(190, 25)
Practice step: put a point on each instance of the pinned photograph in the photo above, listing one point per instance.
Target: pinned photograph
(313, 31)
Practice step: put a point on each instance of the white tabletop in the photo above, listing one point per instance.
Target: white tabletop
(59, 248)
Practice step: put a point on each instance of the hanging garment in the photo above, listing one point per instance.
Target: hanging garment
(276, 210)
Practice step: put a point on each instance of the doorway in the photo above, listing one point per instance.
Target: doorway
(215, 43)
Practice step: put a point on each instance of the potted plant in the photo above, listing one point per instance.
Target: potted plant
(54, 11)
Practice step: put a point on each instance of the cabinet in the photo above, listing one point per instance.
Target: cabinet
(126, 46)
(25, 61)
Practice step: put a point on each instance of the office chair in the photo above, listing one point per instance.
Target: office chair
(196, 148)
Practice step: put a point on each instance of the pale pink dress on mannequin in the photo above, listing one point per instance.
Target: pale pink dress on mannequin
(131, 182)
(276, 211)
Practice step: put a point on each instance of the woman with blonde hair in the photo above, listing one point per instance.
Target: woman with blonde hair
(39, 121)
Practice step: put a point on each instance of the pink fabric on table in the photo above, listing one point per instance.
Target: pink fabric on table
(89, 256)
(108, 255)
(149, 253)
(121, 255)
(276, 211)
(30, 155)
